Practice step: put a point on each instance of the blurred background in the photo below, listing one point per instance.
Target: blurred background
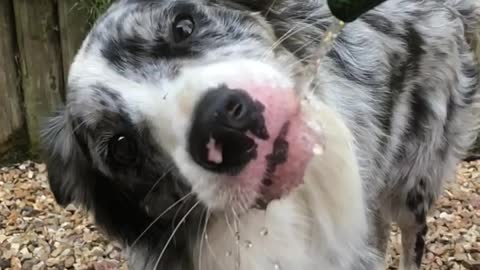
(38, 40)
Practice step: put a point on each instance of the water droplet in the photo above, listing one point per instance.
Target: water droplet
(228, 254)
(206, 237)
(237, 236)
(264, 231)
(277, 266)
(314, 126)
(317, 150)
(248, 244)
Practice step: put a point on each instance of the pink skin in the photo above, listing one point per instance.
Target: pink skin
(214, 152)
(282, 106)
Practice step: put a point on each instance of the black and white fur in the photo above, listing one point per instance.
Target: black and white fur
(398, 97)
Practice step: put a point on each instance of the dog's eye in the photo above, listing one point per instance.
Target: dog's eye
(123, 150)
(183, 28)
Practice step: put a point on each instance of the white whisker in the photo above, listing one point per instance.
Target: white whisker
(159, 180)
(173, 234)
(159, 217)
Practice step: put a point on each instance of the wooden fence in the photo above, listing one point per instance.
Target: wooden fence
(38, 40)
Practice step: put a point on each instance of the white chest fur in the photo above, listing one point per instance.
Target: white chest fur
(322, 225)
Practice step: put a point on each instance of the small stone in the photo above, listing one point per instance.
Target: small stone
(28, 264)
(52, 261)
(39, 266)
(114, 255)
(41, 168)
(97, 251)
(5, 263)
(105, 265)
(25, 253)
(66, 252)
(446, 216)
(2, 238)
(15, 248)
(55, 253)
(69, 261)
(15, 263)
(438, 250)
(71, 208)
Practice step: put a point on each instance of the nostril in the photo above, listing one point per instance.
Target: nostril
(235, 109)
(224, 124)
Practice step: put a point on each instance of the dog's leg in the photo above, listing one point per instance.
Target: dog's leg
(413, 245)
(413, 226)
(382, 228)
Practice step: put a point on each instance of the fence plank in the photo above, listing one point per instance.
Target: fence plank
(41, 61)
(73, 22)
(11, 115)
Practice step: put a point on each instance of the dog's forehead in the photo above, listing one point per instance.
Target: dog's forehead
(129, 53)
(135, 37)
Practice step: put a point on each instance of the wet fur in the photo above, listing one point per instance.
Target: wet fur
(402, 80)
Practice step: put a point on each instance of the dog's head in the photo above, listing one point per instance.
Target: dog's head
(180, 96)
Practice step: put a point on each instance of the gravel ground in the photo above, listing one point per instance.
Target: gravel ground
(37, 234)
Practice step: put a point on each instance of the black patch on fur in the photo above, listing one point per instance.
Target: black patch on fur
(133, 52)
(420, 113)
(471, 71)
(380, 23)
(116, 197)
(399, 81)
(129, 50)
(451, 111)
(278, 157)
(420, 245)
(402, 71)
(415, 49)
(419, 200)
(279, 154)
(418, 105)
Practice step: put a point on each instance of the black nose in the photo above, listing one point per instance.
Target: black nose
(221, 121)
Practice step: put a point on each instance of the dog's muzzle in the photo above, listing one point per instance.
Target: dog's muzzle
(254, 137)
(225, 123)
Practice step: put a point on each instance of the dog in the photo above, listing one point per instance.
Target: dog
(209, 135)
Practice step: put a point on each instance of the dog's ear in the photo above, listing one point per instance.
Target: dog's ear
(67, 164)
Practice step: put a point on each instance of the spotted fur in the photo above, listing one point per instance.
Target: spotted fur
(399, 91)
